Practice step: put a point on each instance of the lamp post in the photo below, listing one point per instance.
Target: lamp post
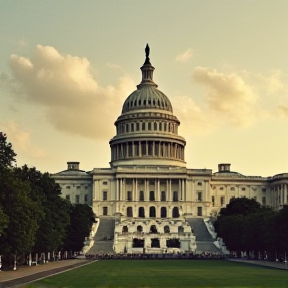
(15, 262)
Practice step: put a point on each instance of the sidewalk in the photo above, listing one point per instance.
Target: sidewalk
(26, 274)
(276, 265)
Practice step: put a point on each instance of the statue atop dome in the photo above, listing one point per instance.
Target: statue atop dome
(147, 52)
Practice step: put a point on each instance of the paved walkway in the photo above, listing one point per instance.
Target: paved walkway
(276, 265)
(26, 274)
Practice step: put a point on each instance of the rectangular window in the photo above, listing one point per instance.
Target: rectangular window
(199, 183)
(68, 197)
(221, 188)
(222, 200)
(104, 198)
(132, 127)
(213, 200)
(105, 210)
(175, 196)
(263, 200)
(163, 196)
(67, 187)
(243, 188)
(199, 196)
(152, 196)
(105, 183)
(199, 211)
(129, 195)
(86, 198)
(77, 199)
(141, 196)
(137, 127)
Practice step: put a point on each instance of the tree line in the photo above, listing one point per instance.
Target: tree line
(33, 216)
(247, 226)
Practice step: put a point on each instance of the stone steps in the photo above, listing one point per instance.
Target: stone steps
(103, 240)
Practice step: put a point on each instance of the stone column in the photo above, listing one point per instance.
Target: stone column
(158, 190)
(121, 189)
(180, 190)
(140, 149)
(183, 190)
(153, 149)
(170, 190)
(167, 191)
(117, 189)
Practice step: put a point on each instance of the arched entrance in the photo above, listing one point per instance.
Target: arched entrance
(175, 212)
(129, 212)
(152, 212)
(163, 212)
(141, 212)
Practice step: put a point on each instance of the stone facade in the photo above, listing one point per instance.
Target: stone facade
(148, 178)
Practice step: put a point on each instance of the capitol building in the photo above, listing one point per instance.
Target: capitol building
(148, 193)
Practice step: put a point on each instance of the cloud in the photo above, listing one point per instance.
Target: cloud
(185, 56)
(66, 88)
(21, 140)
(228, 96)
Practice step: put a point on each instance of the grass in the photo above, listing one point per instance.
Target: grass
(167, 273)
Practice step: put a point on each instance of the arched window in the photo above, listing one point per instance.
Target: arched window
(152, 212)
(149, 126)
(144, 102)
(163, 212)
(127, 127)
(155, 125)
(129, 212)
(175, 212)
(166, 229)
(124, 229)
(180, 230)
(143, 126)
(160, 126)
(153, 229)
(139, 228)
(141, 212)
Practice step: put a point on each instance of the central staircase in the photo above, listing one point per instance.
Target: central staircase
(104, 237)
(204, 240)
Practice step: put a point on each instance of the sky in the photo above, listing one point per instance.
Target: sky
(66, 68)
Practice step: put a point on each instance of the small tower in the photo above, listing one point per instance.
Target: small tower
(73, 165)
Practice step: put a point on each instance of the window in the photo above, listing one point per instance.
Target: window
(163, 212)
(78, 187)
(68, 197)
(105, 183)
(127, 127)
(77, 199)
(222, 200)
(129, 196)
(143, 126)
(263, 200)
(243, 189)
(104, 195)
(221, 188)
(132, 127)
(199, 183)
(199, 196)
(141, 196)
(163, 196)
(155, 126)
(105, 210)
(160, 126)
(213, 200)
(86, 198)
(137, 127)
(232, 188)
(175, 196)
(67, 187)
(199, 211)
(152, 212)
(149, 126)
(263, 189)
(151, 196)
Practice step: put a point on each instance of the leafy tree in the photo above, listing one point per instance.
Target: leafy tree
(7, 155)
(4, 220)
(22, 212)
(82, 219)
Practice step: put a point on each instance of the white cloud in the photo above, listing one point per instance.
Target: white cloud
(65, 87)
(21, 140)
(228, 96)
(185, 56)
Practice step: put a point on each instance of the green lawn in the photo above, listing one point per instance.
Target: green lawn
(167, 273)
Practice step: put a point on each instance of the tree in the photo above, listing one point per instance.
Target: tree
(7, 155)
(81, 221)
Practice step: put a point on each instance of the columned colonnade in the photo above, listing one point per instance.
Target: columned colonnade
(139, 148)
(280, 194)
